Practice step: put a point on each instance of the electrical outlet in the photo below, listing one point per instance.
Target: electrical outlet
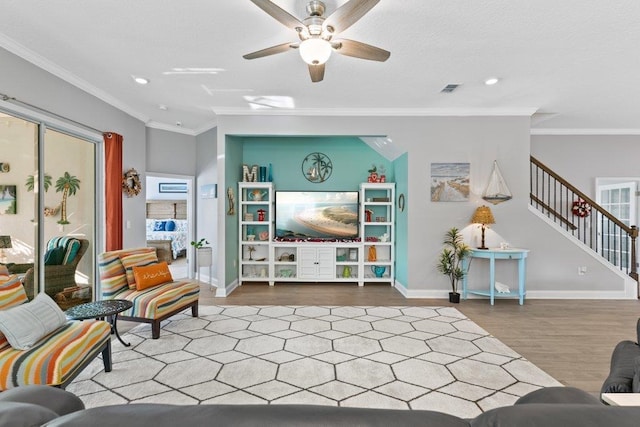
(582, 270)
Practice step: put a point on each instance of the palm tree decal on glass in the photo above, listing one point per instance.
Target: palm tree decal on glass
(68, 185)
(31, 182)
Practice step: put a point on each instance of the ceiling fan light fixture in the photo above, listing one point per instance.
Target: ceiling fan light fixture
(315, 51)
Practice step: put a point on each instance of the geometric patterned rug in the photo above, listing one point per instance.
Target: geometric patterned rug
(382, 357)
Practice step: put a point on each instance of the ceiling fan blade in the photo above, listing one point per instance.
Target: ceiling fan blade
(270, 50)
(360, 50)
(347, 14)
(316, 72)
(278, 13)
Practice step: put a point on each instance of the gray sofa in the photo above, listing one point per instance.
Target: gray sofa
(624, 374)
(548, 407)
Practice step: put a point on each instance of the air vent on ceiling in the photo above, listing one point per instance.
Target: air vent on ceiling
(450, 88)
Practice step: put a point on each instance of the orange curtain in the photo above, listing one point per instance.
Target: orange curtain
(113, 190)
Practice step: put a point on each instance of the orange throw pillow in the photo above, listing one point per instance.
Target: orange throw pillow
(152, 275)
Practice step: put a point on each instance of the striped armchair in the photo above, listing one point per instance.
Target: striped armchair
(151, 305)
(56, 358)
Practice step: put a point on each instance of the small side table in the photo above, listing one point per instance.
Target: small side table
(492, 255)
(99, 310)
(621, 399)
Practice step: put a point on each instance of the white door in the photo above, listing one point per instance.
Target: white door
(620, 201)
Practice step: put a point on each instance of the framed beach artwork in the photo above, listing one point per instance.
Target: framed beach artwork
(171, 187)
(450, 182)
(209, 191)
(8, 199)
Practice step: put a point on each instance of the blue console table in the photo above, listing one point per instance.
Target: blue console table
(492, 255)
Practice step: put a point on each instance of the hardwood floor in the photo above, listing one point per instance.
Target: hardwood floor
(571, 340)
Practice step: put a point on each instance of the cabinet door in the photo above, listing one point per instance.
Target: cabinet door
(326, 263)
(307, 263)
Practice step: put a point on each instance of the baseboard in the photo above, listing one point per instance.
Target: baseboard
(579, 295)
(531, 294)
(225, 291)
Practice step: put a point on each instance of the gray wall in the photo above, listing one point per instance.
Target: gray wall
(583, 158)
(170, 152)
(207, 209)
(553, 260)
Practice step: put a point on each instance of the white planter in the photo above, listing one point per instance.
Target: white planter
(204, 256)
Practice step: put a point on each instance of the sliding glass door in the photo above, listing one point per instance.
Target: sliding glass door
(69, 213)
(49, 201)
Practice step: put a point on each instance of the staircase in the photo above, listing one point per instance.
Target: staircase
(579, 215)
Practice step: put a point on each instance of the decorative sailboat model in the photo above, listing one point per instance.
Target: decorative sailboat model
(497, 190)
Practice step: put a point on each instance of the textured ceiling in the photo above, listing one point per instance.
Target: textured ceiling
(575, 62)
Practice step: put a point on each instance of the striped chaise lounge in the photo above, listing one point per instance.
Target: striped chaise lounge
(56, 358)
(151, 305)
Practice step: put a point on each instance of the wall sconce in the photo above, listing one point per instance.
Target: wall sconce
(483, 216)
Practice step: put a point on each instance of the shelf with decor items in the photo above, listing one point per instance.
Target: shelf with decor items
(377, 229)
(267, 258)
(255, 231)
(285, 262)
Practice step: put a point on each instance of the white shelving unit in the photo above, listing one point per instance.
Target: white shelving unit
(255, 231)
(377, 229)
(283, 261)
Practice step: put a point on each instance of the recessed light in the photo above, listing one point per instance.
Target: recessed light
(491, 81)
(140, 80)
(163, 107)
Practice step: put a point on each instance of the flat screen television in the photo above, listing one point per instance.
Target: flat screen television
(316, 215)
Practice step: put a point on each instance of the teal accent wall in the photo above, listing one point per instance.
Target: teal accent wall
(350, 156)
(233, 163)
(401, 167)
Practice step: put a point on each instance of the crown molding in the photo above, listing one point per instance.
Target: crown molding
(43, 63)
(206, 127)
(380, 112)
(583, 132)
(170, 128)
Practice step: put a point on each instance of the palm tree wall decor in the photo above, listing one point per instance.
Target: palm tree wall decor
(31, 182)
(47, 183)
(68, 185)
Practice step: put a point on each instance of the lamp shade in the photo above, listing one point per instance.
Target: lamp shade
(315, 51)
(483, 215)
(5, 242)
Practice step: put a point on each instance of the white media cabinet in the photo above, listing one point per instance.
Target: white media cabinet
(271, 260)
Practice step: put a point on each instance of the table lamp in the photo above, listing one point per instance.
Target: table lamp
(5, 243)
(483, 216)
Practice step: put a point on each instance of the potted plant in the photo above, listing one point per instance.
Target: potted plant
(450, 261)
(200, 243)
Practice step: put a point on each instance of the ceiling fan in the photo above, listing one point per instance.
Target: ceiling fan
(316, 34)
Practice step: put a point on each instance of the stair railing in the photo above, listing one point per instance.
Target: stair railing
(587, 221)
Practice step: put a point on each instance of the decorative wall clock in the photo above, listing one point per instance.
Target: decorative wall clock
(317, 167)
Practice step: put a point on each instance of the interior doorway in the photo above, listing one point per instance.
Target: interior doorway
(619, 197)
(170, 220)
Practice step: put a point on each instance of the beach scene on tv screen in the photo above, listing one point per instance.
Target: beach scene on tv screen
(320, 215)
